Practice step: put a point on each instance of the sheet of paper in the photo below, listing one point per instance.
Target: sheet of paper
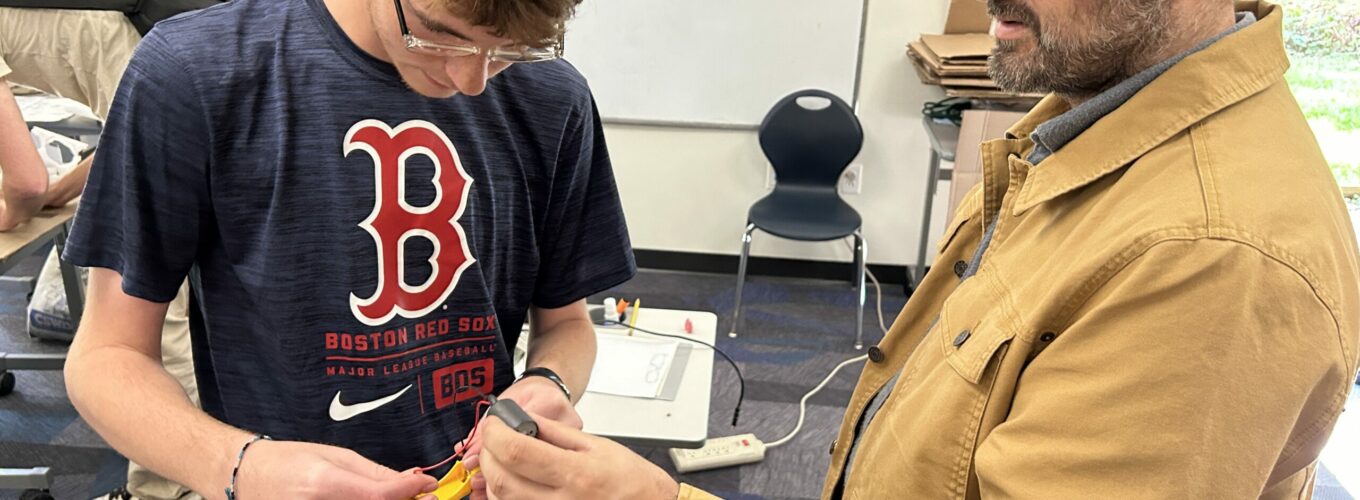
(46, 108)
(631, 366)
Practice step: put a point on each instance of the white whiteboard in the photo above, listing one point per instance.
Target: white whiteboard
(712, 62)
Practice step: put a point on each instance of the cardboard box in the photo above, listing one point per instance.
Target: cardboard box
(978, 126)
(967, 16)
(970, 48)
(992, 95)
(922, 71)
(957, 60)
(922, 54)
(980, 83)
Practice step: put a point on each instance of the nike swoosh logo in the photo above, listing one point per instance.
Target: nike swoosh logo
(341, 412)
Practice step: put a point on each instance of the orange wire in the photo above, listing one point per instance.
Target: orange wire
(459, 449)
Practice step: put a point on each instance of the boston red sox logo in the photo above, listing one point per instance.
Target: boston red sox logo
(394, 221)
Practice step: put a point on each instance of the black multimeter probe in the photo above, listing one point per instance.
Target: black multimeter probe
(513, 416)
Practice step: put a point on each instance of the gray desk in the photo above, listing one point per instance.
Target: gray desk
(944, 140)
(682, 423)
(76, 127)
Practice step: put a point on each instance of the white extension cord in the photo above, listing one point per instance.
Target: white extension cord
(746, 448)
(802, 405)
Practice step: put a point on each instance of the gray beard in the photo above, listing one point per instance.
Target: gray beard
(1131, 34)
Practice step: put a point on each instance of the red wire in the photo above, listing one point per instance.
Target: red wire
(476, 419)
(459, 449)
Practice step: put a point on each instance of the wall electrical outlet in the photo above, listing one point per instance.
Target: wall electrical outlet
(852, 179)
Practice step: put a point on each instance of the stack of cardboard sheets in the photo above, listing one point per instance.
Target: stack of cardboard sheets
(958, 63)
(957, 60)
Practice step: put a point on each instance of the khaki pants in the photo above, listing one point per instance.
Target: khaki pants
(81, 55)
(78, 54)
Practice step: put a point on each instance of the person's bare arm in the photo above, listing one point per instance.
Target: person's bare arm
(25, 176)
(69, 186)
(115, 379)
(563, 340)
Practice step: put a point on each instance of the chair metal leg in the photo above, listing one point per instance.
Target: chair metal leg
(70, 279)
(932, 181)
(741, 278)
(36, 478)
(10, 362)
(857, 267)
(862, 259)
(27, 362)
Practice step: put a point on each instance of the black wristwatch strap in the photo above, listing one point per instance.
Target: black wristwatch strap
(539, 371)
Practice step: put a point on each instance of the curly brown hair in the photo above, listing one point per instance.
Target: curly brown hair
(531, 22)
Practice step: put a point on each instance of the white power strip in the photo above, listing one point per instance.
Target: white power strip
(719, 452)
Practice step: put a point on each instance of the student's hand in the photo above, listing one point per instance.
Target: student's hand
(543, 397)
(536, 395)
(566, 463)
(10, 219)
(297, 470)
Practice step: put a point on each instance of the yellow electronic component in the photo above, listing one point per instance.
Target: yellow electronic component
(457, 483)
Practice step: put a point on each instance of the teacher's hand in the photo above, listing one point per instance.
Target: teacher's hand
(536, 395)
(566, 463)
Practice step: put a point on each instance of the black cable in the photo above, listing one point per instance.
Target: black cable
(741, 381)
(480, 395)
(948, 109)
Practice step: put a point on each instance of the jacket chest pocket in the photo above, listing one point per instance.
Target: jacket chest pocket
(974, 329)
(974, 336)
(925, 435)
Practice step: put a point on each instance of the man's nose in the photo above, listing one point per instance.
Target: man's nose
(469, 74)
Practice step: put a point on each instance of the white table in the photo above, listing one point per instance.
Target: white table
(682, 423)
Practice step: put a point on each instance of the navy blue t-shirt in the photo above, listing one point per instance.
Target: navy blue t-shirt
(361, 252)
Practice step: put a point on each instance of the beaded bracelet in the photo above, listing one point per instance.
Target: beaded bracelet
(231, 490)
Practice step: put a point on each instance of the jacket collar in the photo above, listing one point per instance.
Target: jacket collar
(1232, 69)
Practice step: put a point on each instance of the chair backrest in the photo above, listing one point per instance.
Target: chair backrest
(810, 147)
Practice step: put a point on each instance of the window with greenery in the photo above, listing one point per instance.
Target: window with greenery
(1323, 40)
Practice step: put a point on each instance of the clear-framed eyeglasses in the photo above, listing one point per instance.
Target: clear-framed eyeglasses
(550, 49)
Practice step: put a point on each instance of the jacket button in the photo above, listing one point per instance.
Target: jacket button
(832, 451)
(963, 337)
(876, 354)
(1048, 337)
(960, 267)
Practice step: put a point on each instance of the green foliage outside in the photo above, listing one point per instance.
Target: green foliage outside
(1321, 27)
(1323, 40)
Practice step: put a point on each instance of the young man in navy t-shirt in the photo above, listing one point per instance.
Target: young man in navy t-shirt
(367, 216)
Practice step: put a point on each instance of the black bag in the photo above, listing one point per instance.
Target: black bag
(124, 6)
(151, 12)
(143, 13)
